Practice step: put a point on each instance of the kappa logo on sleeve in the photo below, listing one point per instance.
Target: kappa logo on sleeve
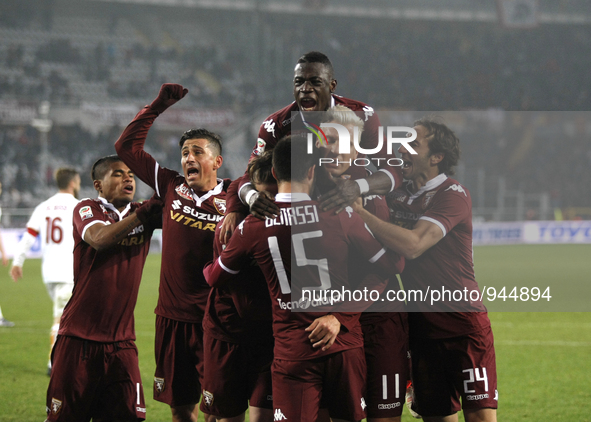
(368, 112)
(457, 188)
(269, 126)
(86, 213)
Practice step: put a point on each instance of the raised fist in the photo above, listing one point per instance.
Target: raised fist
(168, 95)
(150, 208)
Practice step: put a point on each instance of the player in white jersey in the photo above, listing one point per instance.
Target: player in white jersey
(3, 322)
(52, 220)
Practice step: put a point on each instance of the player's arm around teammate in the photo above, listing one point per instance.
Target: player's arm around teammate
(442, 217)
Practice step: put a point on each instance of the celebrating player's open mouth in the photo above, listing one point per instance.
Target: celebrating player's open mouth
(128, 188)
(192, 172)
(406, 166)
(308, 104)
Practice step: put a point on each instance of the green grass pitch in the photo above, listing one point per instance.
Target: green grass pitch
(543, 359)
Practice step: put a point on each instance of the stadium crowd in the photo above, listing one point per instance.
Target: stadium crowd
(470, 66)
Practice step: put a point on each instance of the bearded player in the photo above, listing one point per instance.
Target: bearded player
(194, 203)
(453, 356)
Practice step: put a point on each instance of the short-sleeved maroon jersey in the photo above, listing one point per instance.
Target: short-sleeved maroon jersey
(313, 248)
(106, 282)
(188, 224)
(236, 309)
(279, 124)
(446, 203)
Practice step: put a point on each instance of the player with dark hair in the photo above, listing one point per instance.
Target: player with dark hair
(194, 203)
(314, 85)
(318, 352)
(237, 333)
(95, 371)
(52, 220)
(385, 333)
(431, 225)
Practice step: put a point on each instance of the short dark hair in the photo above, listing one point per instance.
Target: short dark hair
(442, 140)
(101, 166)
(214, 140)
(318, 57)
(291, 160)
(64, 175)
(259, 169)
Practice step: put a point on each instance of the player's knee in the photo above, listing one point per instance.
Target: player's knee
(480, 415)
(187, 413)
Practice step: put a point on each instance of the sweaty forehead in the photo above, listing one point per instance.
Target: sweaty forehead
(310, 70)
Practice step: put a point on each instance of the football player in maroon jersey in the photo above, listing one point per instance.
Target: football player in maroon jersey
(318, 352)
(95, 372)
(452, 352)
(385, 333)
(238, 336)
(314, 85)
(194, 202)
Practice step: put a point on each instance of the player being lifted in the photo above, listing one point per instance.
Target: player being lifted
(95, 373)
(314, 85)
(453, 353)
(52, 220)
(193, 204)
(317, 353)
(385, 333)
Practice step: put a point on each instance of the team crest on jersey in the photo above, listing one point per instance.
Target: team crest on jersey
(86, 213)
(428, 197)
(207, 398)
(457, 188)
(220, 205)
(184, 191)
(159, 384)
(399, 197)
(261, 144)
(56, 406)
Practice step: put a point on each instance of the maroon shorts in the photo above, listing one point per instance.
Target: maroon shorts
(236, 374)
(94, 380)
(338, 379)
(388, 367)
(445, 370)
(179, 362)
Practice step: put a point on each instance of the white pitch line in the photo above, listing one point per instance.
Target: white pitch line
(559, 343)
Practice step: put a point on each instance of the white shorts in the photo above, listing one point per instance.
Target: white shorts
(60, 294)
